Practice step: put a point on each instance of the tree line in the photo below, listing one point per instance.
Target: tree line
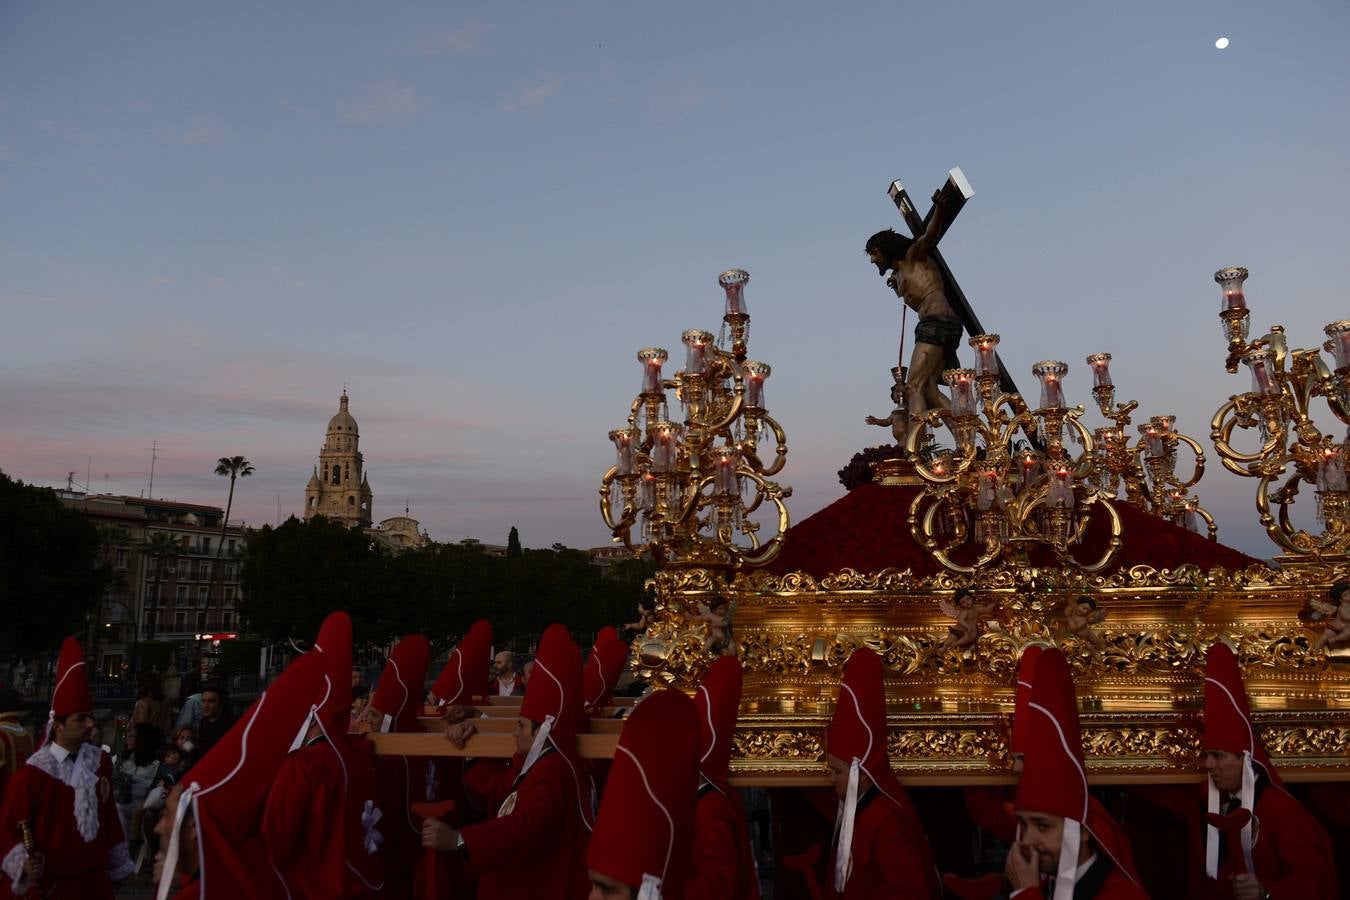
(295, 574)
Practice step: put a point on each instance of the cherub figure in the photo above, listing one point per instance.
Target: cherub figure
(898, 420)
(1080, 615)
(1336, 632)
(968, 615)
(718, 617)
(646, 616)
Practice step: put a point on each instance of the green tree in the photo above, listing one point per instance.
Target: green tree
(51, 574)
(295, 574)
(513, 548)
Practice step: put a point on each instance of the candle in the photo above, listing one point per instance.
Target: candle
(1051, 373)
(733, 281)
(665, 446)
(962, 385)
(987, 496)
(696, 357)
(1331, 470)
(624, 439)
(755, 375)
(1263, 382)
(725, 459)
(1060, 490)
(986, 354)
(652, 358)
(1230, 283)
(1101, 369)
(647, 492)
(1338, 341)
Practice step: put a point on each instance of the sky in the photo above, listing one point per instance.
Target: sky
(472, 215)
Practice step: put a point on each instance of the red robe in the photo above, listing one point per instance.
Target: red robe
(305, 802)
(401, 781)
(1117, 886)
(891, 860)
(538, 849)
(723, 865)
(1290, 852)
(989, 809)
(77, 868)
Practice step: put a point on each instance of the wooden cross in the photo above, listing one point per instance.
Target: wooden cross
(955, 193)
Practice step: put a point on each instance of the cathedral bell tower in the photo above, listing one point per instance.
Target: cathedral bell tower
(338, 489)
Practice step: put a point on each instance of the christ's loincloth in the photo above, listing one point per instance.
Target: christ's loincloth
(945, 332)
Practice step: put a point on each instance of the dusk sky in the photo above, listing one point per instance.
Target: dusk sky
(474, 214)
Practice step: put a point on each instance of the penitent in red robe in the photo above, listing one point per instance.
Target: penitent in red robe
(723, 864)
(300, 823)
(74, 823)
(401, 781)
(891, 860)
(1114, 886)
(538, 849)
(1291, 852)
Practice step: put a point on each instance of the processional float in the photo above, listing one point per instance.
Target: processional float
(1088, 537)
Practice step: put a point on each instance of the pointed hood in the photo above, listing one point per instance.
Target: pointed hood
(1229, 727)
(399, 694)
(553, 699)
(857, 735)
(644, 833)
(603, 668)
(718, 701)
(333, 711)
(465, 676)
(335, 643)
(71, 693)
(226, 791)
(1054, 774)
(1026, 675)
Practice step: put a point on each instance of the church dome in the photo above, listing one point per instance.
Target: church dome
(343, 423)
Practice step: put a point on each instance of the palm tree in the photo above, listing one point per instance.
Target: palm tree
(235, 467)
(160, 547)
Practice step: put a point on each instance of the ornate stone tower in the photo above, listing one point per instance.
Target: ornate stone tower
(338, 489)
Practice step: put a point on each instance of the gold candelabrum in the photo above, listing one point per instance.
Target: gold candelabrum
(686, 492)
(1147, 469)
(1284, 386)
(993, 500)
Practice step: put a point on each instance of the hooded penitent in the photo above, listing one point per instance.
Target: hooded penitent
(553, 700)
(1026, 677)
(603, 668)
(1228, 727)
(857, 735)
(465, 676)
(71, 693)
(226, 791)
(718, 700)
(333, 710)
(643, 833)
(398, 696)
(1054, 777)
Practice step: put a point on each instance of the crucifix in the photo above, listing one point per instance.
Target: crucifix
(920, 277)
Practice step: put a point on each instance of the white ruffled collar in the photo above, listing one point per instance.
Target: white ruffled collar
(83, 781)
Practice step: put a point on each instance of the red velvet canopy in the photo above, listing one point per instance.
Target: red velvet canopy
(867, 530)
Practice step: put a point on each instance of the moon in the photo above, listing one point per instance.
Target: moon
(1221, 43)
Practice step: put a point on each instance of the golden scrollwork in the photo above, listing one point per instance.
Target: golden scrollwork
(802, 745)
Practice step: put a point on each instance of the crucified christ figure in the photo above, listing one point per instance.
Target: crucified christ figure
(917, 282)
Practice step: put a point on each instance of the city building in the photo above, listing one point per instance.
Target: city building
(176, 578)
(339, 488)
